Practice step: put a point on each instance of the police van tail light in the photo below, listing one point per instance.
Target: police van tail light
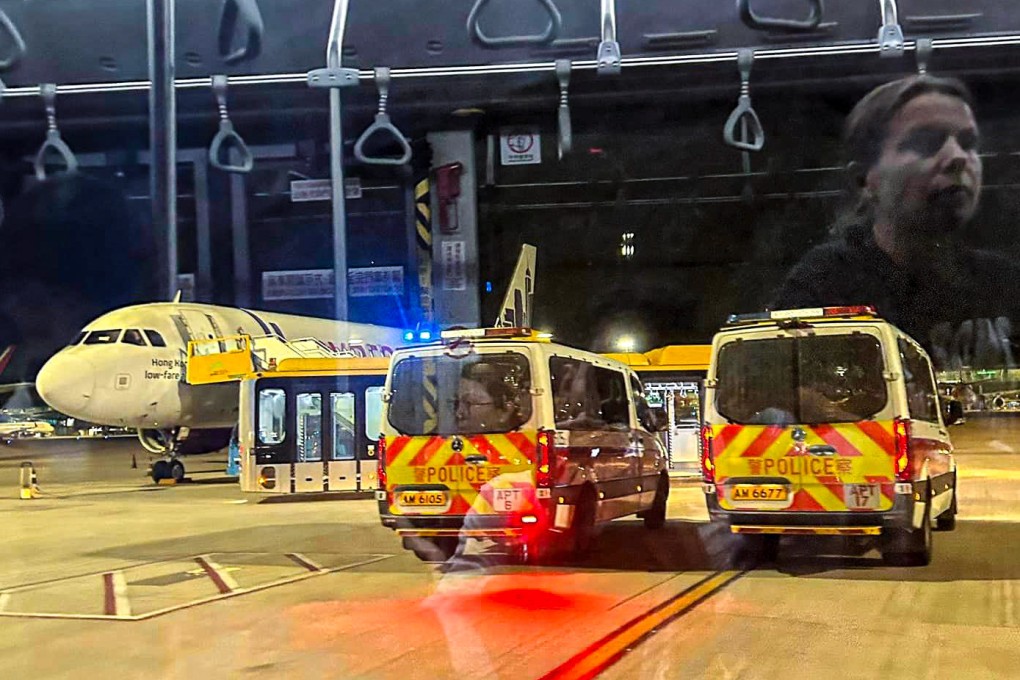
(901, 457)
(545, 459)
(705, 455)
(380, 452)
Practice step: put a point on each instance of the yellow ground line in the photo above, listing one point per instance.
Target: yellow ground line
(599, 656)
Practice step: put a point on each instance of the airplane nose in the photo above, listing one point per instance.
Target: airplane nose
(67, 383)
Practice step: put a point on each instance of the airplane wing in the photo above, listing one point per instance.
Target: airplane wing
(516, 311)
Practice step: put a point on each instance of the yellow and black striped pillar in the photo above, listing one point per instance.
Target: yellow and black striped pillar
(423, 237)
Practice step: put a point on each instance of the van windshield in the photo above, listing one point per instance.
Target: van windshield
(809, 380)
(475, 394)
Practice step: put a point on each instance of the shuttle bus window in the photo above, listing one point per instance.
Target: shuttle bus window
(133, 336)
(102, 337)
(272, 416)
(373, 412)
(309, 427)
(342, 404)
(155, 339)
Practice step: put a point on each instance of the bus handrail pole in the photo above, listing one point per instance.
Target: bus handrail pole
(336, 161)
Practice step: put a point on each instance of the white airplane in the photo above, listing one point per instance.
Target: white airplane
(126, 368)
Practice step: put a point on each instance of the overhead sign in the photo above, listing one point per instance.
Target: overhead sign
(520, 146)
(307, 190)
(313, 284)
(368, 281)
(452, 265)
(298, 284)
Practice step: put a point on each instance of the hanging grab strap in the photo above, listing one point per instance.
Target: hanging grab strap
(751, 135)
(18, 48)
(552, 31)
(243, 19)
(53, 142)
(227, 135)
(890, 35)
(566, 136)
(924, 49)
(383, 125)
(759, 23)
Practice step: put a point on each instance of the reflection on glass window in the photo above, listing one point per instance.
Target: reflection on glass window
(155, 339)
(272, 416)
(373, 412)
(820, 379)
(476, 394)
(342, 404)
(309, 427)
(133, 336)
(102, 337)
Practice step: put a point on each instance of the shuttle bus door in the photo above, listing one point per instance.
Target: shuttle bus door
(342, 463)
(309, 441)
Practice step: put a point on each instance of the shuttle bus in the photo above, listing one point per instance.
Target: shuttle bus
(308, 417)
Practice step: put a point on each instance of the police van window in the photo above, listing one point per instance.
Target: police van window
(612, 390)
(344, 427)
(476, 394)
(102, 337)
(373, 412)
(133, 336)
(921, 398)
(309, 427)
(576, 403)
(817, 379)
(640, 402)
(155, 339)
(272, 416)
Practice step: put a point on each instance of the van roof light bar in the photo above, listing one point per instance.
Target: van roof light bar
(807, 313)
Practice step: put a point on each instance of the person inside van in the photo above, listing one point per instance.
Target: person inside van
(485, 401)
(913, 147)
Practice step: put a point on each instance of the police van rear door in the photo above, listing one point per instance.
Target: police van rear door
(805, 420)
(462, 429)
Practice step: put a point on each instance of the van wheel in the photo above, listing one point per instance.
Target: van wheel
(526, 552)
(947, 520)
(910, 547)
(655, 516)
(584, 523)
(433, 549)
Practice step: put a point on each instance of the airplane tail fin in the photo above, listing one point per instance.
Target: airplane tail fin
(517, 304)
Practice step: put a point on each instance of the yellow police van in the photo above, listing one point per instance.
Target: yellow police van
(826, 421)
(501, 434)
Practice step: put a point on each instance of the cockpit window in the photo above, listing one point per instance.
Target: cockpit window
(133, 336)
(155, 339)
(77, 340)
(102, 337)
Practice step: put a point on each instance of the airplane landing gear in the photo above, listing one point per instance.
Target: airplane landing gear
(167, 469)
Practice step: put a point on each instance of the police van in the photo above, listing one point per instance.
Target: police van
(826, 421)
(501, 434)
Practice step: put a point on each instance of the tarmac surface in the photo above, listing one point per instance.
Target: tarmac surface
(107, 575)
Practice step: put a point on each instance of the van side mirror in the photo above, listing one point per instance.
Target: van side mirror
(657, 420)
(952, 411)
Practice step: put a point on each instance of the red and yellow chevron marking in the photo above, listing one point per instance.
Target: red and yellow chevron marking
(864, 455)
(428, 460)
